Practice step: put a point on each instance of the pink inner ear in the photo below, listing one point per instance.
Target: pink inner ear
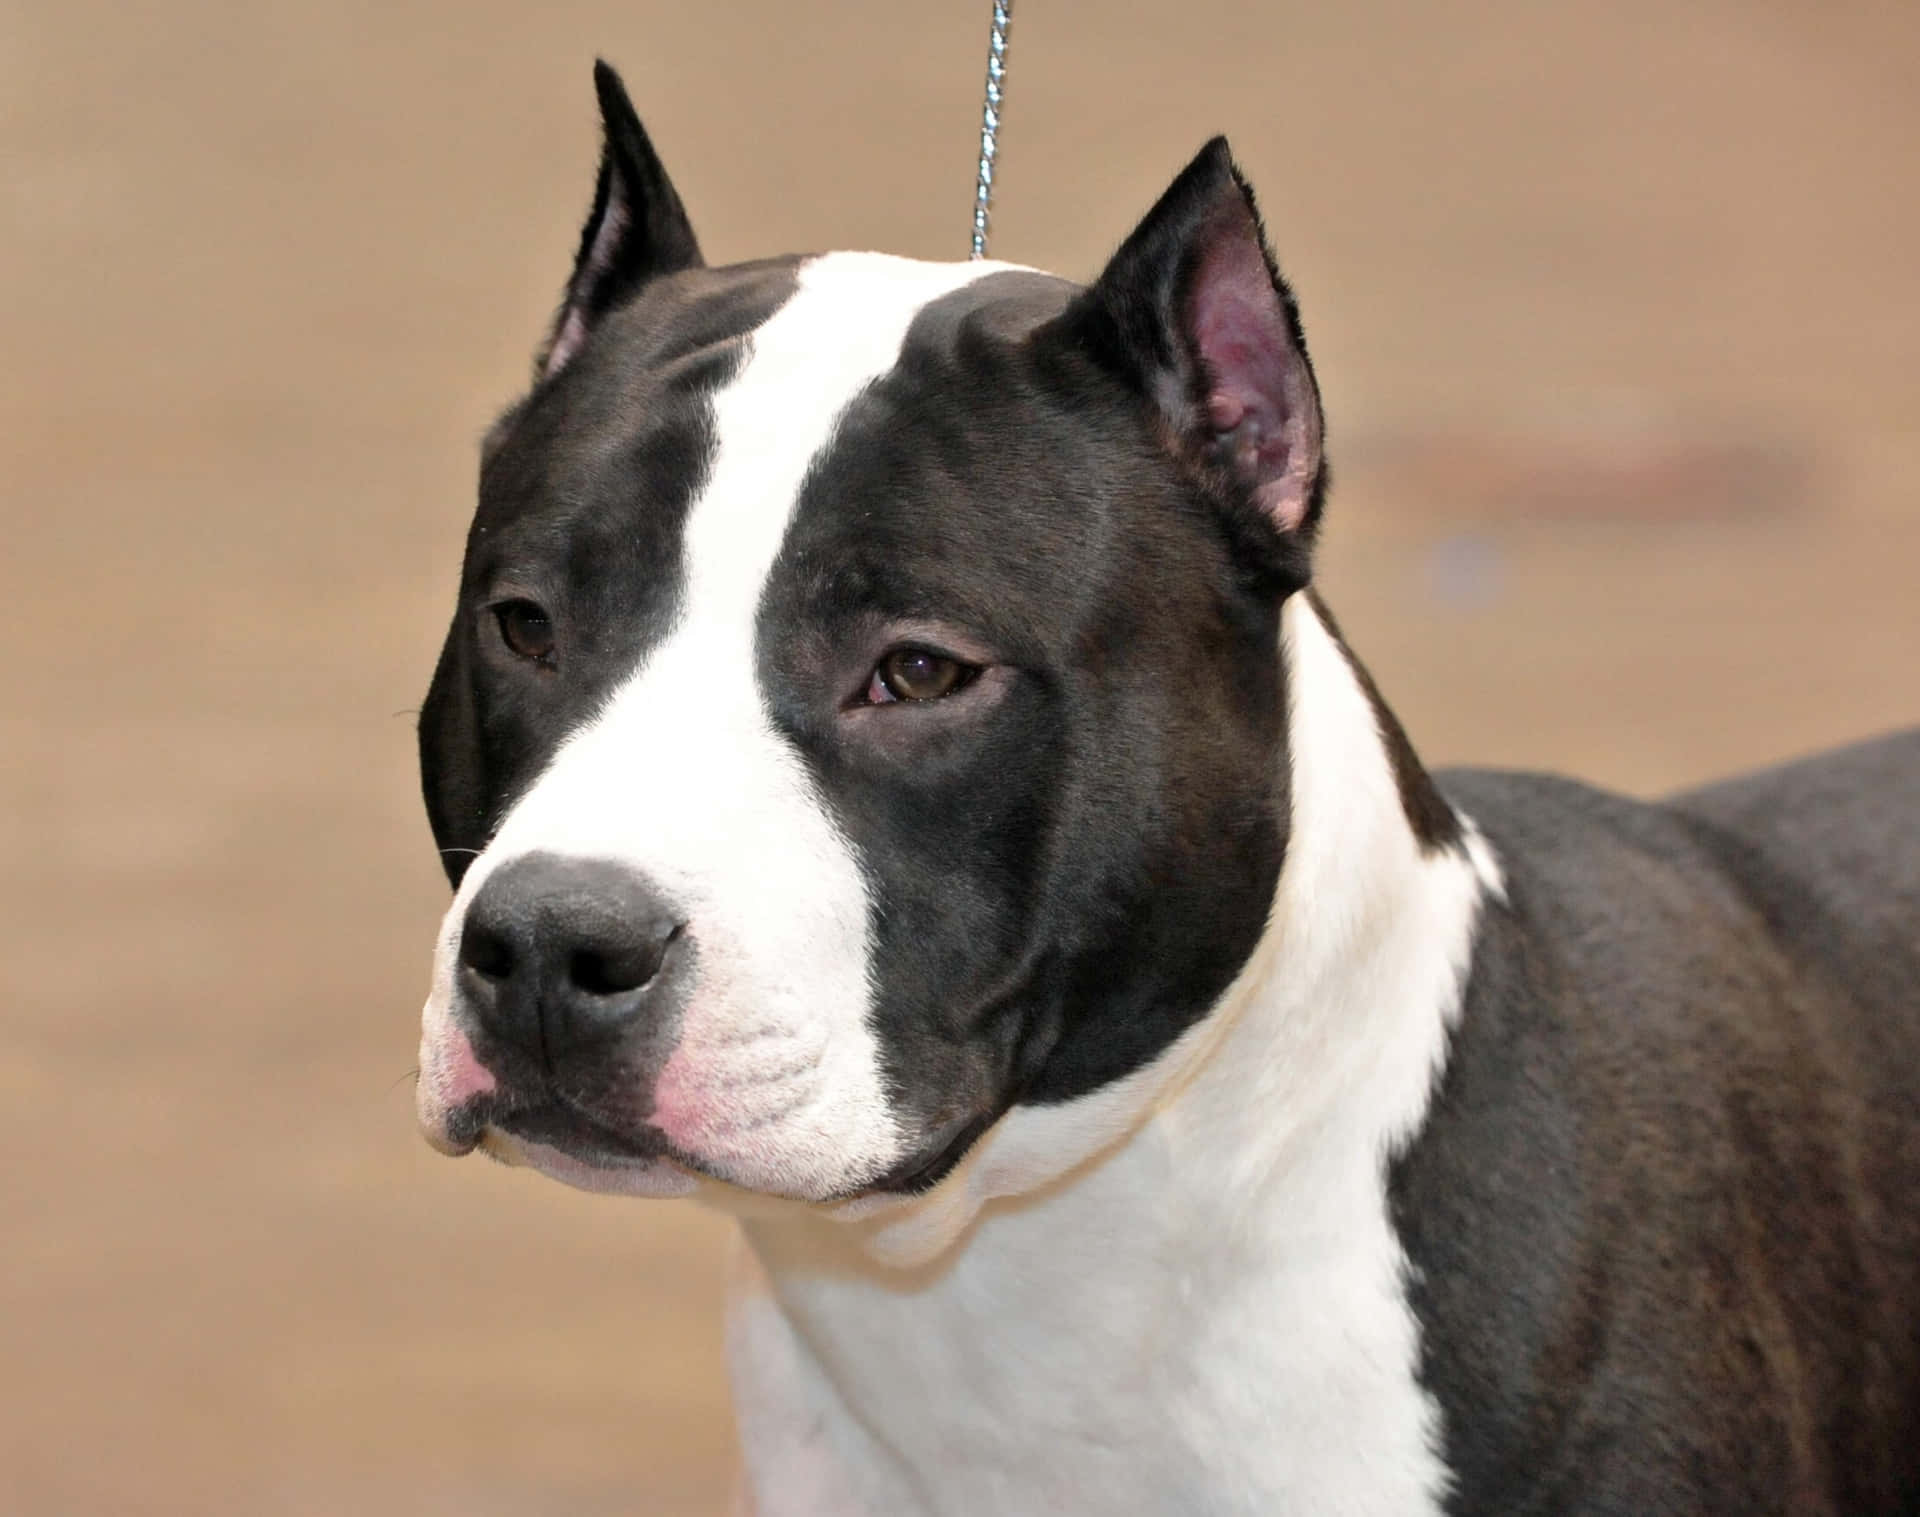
(1260, 404)
(572, 331)
(566, 342)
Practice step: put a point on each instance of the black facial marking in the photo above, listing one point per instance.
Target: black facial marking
(584, 494)
(1071, 857)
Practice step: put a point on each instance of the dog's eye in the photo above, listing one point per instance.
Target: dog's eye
(526, 629)
(916, 674)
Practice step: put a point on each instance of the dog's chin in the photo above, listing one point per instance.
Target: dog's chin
(588, 1152)
(591, 1167)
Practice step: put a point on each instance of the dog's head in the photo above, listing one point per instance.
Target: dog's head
(862, 712)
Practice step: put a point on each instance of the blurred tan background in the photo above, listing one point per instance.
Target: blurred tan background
(1614, 304)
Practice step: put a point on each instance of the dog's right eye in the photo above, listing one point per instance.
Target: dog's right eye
(526, 628)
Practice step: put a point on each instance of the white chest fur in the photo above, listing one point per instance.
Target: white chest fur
(1182, 1293)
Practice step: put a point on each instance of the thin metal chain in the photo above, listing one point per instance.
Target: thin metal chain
(990, 122)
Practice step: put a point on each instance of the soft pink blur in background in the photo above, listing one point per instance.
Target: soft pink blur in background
(1614, 306)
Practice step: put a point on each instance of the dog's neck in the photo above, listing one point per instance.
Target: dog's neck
(1267, 1128)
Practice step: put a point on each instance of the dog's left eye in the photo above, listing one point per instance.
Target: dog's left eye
(916, 674)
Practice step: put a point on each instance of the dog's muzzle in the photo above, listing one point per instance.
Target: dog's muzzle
(567, 987)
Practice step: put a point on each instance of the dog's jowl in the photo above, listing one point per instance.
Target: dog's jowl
(902, 787)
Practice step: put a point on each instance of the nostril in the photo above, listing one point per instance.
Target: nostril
(609, 970)
(601, 974)
(486, 952)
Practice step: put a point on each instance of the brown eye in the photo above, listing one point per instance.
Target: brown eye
(915, 674)
(526, 629)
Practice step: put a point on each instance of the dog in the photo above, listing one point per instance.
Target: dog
(901, 785)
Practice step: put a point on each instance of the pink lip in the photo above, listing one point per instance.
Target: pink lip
(463, 1076)
(676, 1110)
(452, 1078)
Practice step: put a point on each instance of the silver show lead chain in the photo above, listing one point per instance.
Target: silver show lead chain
(990, 122)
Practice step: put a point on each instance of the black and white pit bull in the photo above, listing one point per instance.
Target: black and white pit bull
(903, 788)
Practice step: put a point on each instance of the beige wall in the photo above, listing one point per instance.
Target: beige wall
(1614, 304)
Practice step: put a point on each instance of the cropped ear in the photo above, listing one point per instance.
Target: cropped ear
(1193, 312)
(636, 231)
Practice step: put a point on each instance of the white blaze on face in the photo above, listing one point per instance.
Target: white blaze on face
(777, 1079)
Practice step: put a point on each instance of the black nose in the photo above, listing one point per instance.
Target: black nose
(563, 955)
